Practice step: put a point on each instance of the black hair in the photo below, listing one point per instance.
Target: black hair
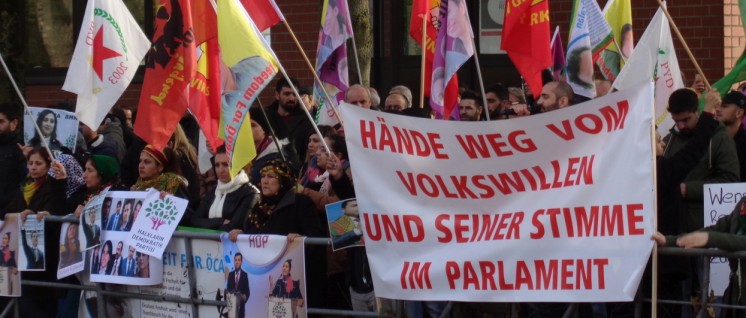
(683, 100)
(338, 145)
(469, 94)
(499, 90)
(284, 83)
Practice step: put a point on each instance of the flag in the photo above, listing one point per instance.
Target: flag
(331, 58)
(558, 56)
(264, 13)
(205, 87)
(425, 9)
(527, 40)
(654, 59)
(454, 45)
(169, 68)
(579, 59)
(109, 50)
(738, 73)
(600, 31)
(618, 14)
(252, 65)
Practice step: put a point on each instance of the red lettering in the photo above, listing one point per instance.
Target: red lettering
(452, 273)
(442, 228)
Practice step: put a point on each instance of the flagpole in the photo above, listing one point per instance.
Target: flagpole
(26, 109)
(313, 71)
(357, 61)
(654, 293)
(423, 60)
(621, 55)
(272, 131)
(683, 42)
(481, 82)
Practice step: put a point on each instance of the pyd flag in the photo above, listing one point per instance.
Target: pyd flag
(169, 68)
(109, 49)
(558, 55)
(580, 48)
(618, 14)
(454, 45)
(526, 40)
(654, 59)
(205, 87)
(252, 65)
(331, 58)
(264, 13)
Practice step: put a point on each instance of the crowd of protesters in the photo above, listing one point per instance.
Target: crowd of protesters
(284, 189)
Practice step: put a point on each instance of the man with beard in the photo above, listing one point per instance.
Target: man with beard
(12, 162)
(730, 113)
(470, 106)
(555, 95)
(287, 108)
(498, 101)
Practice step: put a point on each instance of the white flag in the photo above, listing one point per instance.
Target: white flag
(579, 57)
(109, 50)
(654, 59)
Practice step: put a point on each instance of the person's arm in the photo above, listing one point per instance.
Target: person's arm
(248, 198)
(200, 219)
(724, 162)
(674, 169)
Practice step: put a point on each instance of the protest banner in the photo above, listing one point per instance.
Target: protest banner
(719, 201)
(561, 201)
(31, 257)
(58, 127)
(153, 229)
(71, 256)
(90, 226)
(116, 261)
(275, 270)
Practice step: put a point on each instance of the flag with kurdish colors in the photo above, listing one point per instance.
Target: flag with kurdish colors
(331, 58)
(264, 13)
(109, 50)
(453, 47)
(654, 59)
(527, 40)
(252, 65)
(169, 68)
(618, 14)
(579, 59)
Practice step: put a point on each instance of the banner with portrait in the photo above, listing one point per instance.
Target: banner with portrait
(58, 127)
(31, 249)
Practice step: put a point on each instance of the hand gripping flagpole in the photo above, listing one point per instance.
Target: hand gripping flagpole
(25, 105)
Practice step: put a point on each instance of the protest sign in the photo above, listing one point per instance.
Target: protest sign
(58, 127)
(153, 229)
(71, 256)
(275, 270)
(561, 201)
(31, 250)
(10, 277)
(720, 200)
(116, 261)
(343, 219)
(89, 231)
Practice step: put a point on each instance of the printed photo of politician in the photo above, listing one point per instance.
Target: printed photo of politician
(119, 259)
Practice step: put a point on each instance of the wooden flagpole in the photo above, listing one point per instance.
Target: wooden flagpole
(683, 42)
(26, 109)
(313, 71)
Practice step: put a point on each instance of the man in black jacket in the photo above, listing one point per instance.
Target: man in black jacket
(12, 162)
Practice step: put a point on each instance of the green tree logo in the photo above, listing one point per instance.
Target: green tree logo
(161, 212)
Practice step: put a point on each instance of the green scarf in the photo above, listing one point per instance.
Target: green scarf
(168, 182)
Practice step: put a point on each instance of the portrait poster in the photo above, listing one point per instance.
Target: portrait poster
(71, 256)
(153, 229)
(119, 210)
(719, 201)
(58, 127)
(265, 273)
(115, 261)
(90, 229)
(31, 247)
(343, 219)
(10, 278)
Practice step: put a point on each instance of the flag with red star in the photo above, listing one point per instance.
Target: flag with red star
(109, 50)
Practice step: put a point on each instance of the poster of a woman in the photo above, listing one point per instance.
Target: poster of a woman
(287, 288)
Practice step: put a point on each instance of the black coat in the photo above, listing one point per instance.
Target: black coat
(237, 204)
(12, 165)
(293, 214)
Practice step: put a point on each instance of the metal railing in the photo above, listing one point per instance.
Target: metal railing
(195, 301)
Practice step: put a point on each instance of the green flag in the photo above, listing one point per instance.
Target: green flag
(738, 73)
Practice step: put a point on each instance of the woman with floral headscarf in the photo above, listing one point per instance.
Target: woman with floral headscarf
(280, 210)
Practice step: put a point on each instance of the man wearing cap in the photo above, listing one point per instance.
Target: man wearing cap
(730, 113)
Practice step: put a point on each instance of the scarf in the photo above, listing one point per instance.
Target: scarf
(166, 181)
(288, 283)
(222, 190)
(6, 255)
(74, 173)
(29, 189)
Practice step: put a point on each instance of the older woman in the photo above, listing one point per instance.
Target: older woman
(280, 210)
(47, 122)
(100, 172)
(225, 206)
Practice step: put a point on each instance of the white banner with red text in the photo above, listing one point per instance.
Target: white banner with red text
(556, 207)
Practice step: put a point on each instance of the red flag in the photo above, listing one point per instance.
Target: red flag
(169, 68)
(265, 13)
(526, 39)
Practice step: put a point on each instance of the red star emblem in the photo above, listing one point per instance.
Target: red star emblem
(101, 53)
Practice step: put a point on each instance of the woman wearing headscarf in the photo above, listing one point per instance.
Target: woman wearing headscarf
(159, 170)
(280, 210)
(225, 206)
(265, 144)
